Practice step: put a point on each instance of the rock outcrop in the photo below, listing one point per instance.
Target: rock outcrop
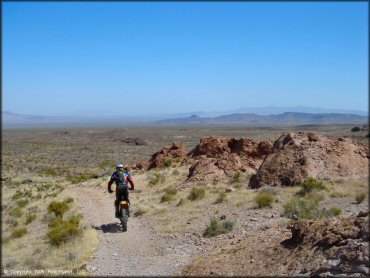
(296, 156)
(335, 246)
(176, 150)
(219, 158)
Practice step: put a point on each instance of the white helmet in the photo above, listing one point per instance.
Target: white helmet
(119, 166)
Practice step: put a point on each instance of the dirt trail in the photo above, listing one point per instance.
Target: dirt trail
(135, 252)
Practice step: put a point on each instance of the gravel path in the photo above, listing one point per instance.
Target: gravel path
(135, 252)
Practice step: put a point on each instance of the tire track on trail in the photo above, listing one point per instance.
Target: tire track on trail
(135, 252)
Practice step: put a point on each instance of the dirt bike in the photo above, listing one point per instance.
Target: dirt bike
(123, 214)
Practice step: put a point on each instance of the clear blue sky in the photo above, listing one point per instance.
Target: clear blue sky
(178, 57)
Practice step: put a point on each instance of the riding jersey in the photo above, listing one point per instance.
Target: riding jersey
(117, 178)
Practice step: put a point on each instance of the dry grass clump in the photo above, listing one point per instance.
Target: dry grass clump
(30, 218)
(58, 208)
(74, 179)
(16, 212)
(360, 197)
(221, 198)
(264, 199)
(156, 178)
(62, 231)
(218, 227)
(196, 193)
(169, 194)
(18, 232)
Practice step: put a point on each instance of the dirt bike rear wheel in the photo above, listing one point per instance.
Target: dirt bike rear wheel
(123, 219)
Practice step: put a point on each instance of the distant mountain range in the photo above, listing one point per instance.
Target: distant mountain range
(13, 120)
(284, 119)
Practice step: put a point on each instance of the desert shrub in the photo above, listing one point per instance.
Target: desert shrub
(18, 194)
(360, 197)
(68, 200)
(175, 172)
(236, 178)
(334, 211)
(51, 172)
(22, 203)
(167, 162)
(218, 227)
(16, 212)
(62, 231)
(169, 194)
(104, 164)
(18, 232)
(196, 193)
(58, 208)
(264, 199)
(156, 178)
(309, 185)
(81, 178)
(44, 186)
(30, 218)
(304, 208)
(221, 198)
(12, 222)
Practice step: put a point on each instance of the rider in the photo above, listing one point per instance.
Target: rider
(122, 178)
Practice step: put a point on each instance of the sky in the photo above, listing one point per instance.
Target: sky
(173, 57)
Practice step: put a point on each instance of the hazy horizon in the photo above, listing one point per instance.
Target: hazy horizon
(175, 57)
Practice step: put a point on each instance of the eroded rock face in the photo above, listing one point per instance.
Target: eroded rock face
(219, 158)
(176, 150)
(339, 246)
(296, 156)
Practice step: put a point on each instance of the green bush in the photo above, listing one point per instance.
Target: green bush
(196, 193)
(16, 212)
(217, 227)
(309, 185)
(175, 172)
(335, 211)
(18, 232)
(221, 198)
(167, 162)
(360, 197)
(62, 231)
(59, 208)
(304, 208)
(264, 199)
(169, 194)
(30, 218)
(156, 178)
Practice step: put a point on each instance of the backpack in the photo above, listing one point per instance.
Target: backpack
(122, 182)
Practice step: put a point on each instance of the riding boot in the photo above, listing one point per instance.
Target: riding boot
(117, 211)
